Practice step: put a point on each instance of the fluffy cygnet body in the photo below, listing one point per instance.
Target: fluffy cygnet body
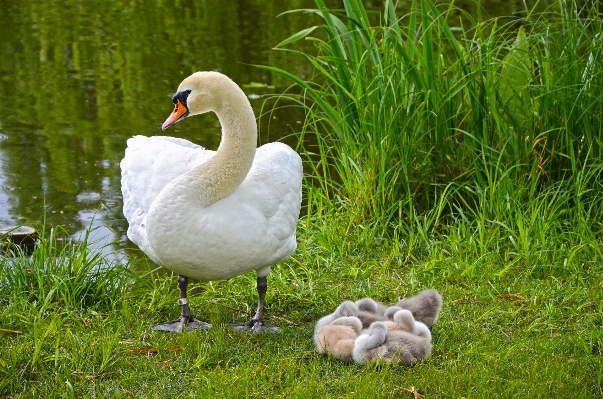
(367, 318)
(338, 338)
(381, 345)
(425, 306)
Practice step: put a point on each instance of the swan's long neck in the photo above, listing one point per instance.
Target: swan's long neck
(175, 210)
(225, 171)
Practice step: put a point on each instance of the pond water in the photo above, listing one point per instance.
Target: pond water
(77, 78)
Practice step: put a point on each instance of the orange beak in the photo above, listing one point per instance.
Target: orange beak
(180, 112)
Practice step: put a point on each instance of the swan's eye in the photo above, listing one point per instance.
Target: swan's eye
(182, 96)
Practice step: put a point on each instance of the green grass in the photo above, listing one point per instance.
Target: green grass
(519, 331)
(466, 160)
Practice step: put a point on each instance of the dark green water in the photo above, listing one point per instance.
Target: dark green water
(77, 78)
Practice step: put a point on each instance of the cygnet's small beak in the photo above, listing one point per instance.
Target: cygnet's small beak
(180, 112)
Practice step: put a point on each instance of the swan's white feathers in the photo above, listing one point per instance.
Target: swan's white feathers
(251, 229)
(152, 162)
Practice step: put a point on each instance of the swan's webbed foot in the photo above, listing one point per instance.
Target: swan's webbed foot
(186, 321)
(256, 326)
(181, 324)
(195, 324)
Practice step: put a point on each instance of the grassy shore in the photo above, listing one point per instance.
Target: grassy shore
(462, 159)
(505, 330)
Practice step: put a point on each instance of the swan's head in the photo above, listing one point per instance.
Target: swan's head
(197, 94)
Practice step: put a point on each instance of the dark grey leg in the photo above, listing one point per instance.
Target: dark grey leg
(262, 287)
(257, 324)
(183, 301)
(186, 320)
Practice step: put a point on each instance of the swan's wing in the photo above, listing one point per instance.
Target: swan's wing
(274, 182)
(273, 190)
(149, 165)
(259, 218)
(276, 176)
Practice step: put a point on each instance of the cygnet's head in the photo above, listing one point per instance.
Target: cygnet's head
(349, 321)
(347, 308)
(367, 305)
(422, 331)
(391, 311)
(404, 319)
(378, 329)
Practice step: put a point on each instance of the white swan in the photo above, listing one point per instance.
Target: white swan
(212, 215)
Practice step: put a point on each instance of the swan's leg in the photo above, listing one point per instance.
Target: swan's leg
(186, 320)
(257, 324)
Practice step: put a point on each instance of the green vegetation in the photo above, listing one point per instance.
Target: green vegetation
(464, 159)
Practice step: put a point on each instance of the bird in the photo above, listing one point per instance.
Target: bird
(381, 345)
(338, 338)
(370, 305)
(212, 215)
(403, 320)
(390, 312)
(425, 306)
(345, 309)
(369, 311)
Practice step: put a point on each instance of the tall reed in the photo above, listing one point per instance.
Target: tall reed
(418, 120)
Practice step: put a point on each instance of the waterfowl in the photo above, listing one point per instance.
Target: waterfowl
(381, 345)
(371, 306)
(390, 312)
(338, 338)
(403, 320)
(369, 311)
(212, 215)
(425, 306)
(345, 309)
(397, 318)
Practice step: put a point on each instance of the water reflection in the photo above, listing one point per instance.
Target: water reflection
(5, 208)
(100, 236)
(77, 78)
